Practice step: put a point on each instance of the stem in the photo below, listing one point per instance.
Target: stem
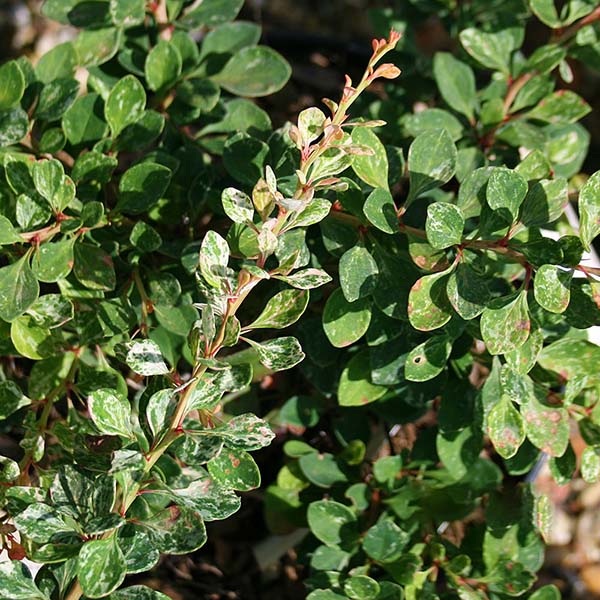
(75, 592)
(515, 88)
(571, 31)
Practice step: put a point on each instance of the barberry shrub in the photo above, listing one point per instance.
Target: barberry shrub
(155, 231)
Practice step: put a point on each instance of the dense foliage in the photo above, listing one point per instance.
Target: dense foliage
(155, 231)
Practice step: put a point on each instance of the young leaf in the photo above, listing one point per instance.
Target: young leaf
(282, 310)
(551, 287)
(19, 289)
(428, 170)
(505, 428)
(111, 414)
(444, 225)
(373, 168)
(213, 259)
(237, 205)
(101, 567)
(589, 210)
(234, 469)
(358, 273)
(456, 82)
(144, 357)
(428, 304)
(505, 324)
(278, 354)
(245, 432)
(306, 279)
(310, 124)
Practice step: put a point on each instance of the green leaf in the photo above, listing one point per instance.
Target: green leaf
(125, 104)
(84, 122)
(16, 582)
(244, 157)
(428, 359)
(254, 71)
(493, 49)
(563, 106)
(505, 428)
(229, 38)
(211, 13)
(434, 119)
(162, 66)
(127, 13)
(505, 323)
(345, 322)
(551, 287)
(355, 387)
(213, 259)
(523, 359)
(111, 414)
(456, 83)
(234, 469)
(372, 169)
(545, 202)
(93, 166)
(332, 523)
(322, 470)
(237, 205)
(385, 541)
(19, 289)
(12, 85)
(283, 309)
(145, 238)
(428, 304)
(361, 587)
(589, 210)
(563, 467)
(545, 58)
(31, 339)
(96, 46)
(101, 567)
(590, 465)
(467, 291)
(428, 170)
(55, 98)
(358, 273)
(142, 186)
(380, 209)
(57, 63)
(41, 523)
(548, 592)
(278, 354)
(444, 225)
(14, 125)
(144, 357)
(505, 192)
(547, 426)
(94, 268)
(306, 279)
(8, 234)
(545, 11)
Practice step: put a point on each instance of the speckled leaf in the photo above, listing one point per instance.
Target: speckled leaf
(563, 106)
(543, 516)
(14, 125)
(234, 469)
(545, 202)
(361, 587)
(53, 260)
(492, 49)
(427, 169)
(127, 13)
(213, 259)
(467, 291)
(11, 398)
(428, 304)
(160, 407)
(144, 357)
(283, 309)
(177, 529)
(138, 592)
(505, 427)
(505, 192)
(355, 387)
(237, 205)
(444, 225)
(125, 104)
(551, 287)
(306, 279)
(8, 234)
(332, 523)
(589, 210)
(547, 426)
(570, 357)
(110, 414)
(371, 168)
(101, 567)
(385, 541)
(17, 583)
(310, 124)
(279, 354)
(380, 209)
(245, 432)
(345, 322)
(428, 359)
(94, 268)
(19, 289)
(358, 273)
(505, 324)
(136, 545)
(523, 358)
(590, 465)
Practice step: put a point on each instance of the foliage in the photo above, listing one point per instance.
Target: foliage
(140, 211)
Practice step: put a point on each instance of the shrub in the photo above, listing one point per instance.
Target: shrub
(152, 223)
